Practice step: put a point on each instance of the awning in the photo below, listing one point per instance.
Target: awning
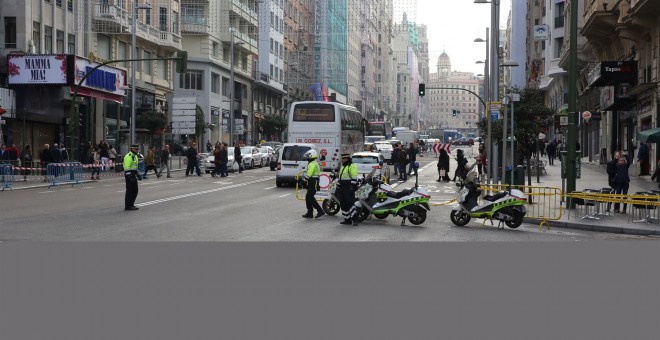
(82, 91)
(650, 135)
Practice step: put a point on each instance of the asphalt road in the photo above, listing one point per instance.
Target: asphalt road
(243, 207)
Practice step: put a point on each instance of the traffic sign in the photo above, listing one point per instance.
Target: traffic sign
(324, 181)
(494, 115)
(586, 115)
(324, 152)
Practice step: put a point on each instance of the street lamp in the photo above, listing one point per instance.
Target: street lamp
(136, 6)
(232, 128)
(508, 63)
(489, 98)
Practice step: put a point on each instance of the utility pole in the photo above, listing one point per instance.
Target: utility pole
(572, 103)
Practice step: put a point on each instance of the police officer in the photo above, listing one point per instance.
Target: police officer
(312, 177)
(346, 185)
(132, 176)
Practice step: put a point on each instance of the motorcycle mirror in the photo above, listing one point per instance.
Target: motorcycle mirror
(458, 184)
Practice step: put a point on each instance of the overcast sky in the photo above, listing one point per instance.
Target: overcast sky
(453, 25)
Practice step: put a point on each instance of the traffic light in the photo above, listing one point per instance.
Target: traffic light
(453, 112)
(182, 62)
(422, 90)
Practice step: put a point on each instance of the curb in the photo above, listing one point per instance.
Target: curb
(598, 228)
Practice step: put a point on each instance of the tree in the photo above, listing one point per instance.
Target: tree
(272, 125)
(151, 120)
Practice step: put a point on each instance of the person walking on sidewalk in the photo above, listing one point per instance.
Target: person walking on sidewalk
(621, 182)
(551, 149)
(150, 162)
(164, 161)
(643, 159)
(193, 163)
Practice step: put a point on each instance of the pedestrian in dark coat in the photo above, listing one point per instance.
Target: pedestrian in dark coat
(238, 157)
(621, 182)
(461, 171)
(443, 164)
(193, 162)
(551, 149)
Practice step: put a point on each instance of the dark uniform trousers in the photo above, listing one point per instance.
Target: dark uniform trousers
(131, 188)
(310, 201)
(346, 192)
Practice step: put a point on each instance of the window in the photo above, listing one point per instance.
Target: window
(71, 44)
(175, 22)
(122, 53)
(58, 3)
(103, 46)
(10, 32)
(59, 43)
(192, 80)
(48, 40)
(215, 83)
(161, 69)
(69, 5)
(147, 16)
(36, 36)
(163, 19)
(146, 64)
(225, 87)
(216, 50)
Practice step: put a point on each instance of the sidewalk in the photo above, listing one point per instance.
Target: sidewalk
(594, 176)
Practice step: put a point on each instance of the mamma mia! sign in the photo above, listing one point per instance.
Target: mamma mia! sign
(37, 69)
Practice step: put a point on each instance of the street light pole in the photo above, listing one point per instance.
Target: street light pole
(487, 95)
(136, 6)
(232, 129)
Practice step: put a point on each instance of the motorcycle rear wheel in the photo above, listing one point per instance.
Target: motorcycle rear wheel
(459, 218)
(517, 219)
(363, 215)
(331, 207)
(421, 217)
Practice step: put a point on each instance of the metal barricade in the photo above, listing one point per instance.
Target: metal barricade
(64, 173)
(543, 203)
(6, 176)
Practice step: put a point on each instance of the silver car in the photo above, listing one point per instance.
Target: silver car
(251, 157)
(367, 161)
(267, 154)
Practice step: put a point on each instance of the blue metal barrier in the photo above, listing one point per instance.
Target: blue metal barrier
(64, 173)
(6, 176)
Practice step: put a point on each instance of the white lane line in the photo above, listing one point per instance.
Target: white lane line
(162, 200)
(284, 195)
(269, 188)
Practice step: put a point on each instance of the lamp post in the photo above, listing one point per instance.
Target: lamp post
(232, 128)
(136, 6)
(508, 63)
(489, 98)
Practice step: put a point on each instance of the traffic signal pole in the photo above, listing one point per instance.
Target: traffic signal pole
(572, 104)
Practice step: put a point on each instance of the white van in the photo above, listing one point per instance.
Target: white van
(291, 162)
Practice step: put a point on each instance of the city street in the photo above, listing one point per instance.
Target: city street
(243, 207)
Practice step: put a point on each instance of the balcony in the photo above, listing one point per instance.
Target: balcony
(162, 38)
(644, 8)
(599, 23)
(244, 10)
(110, 18)
(555, 71)
(194, 25)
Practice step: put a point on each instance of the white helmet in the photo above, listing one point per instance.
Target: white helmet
(472, 177)
(310, 155)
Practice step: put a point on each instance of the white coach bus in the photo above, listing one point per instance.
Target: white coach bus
(333, 127)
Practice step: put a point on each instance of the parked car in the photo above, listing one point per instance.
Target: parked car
(366, 161)
(209, 162)
(463, 141)
(272, 144)
(385, 149)
(267, 154)
(251, 157)
(177, 148)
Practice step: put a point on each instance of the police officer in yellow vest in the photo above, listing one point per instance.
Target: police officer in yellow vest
(346, 186)
(132, 176)
(312, 178)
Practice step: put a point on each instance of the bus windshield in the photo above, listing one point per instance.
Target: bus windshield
(314, 113)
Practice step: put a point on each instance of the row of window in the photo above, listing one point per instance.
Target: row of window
(58, 3)
(194, 80)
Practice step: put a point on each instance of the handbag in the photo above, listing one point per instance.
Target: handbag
(442, 172)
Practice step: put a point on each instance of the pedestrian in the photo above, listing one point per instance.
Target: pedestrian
(164, 161)
(56, 153)
(643, 159)
(46, 158)
(422, 145)
(412, 158)
(443, 166)
(460, 171)
(132, 176)
(112, 155)
(95, 161)
(150, 161)
(481, 162)
(65, 154)
(26, 158)
(224, 160)
(611, 173)
(621, 182)
(209, 147)
(346, 186)
(312, 178)
(193, 164)
(402, 161)
(656, 173)
(105, 155)
(551, 149)
(11, 155)
(395, 158)
(216, 161)
(238, 158)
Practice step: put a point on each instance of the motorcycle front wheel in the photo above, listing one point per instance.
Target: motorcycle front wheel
(517, 219)
(459, 218)
(331, 207)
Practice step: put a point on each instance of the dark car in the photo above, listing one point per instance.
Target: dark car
(176, 148)
(463, 141)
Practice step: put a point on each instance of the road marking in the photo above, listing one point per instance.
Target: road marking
(270, 188)
(284, 195)
(192, 194)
